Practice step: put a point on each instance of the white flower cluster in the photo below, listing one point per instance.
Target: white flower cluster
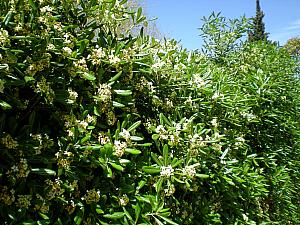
(4, 37)
(24, 201)
(96, 56)
(189, 171)
(166, 171)
(20, 170)
(158, 65)
(103, 139)
(217, 95)
(170, 190)
(119, 147)
(44, 87)
(214, 122)
(124, 200)
(6, 196)
(125, 134)
(92, 196)
(43, 142)
(104, 96)
(81, 65)
(144, 83)
(197, 81)
(248, 116)
(9, 142)
(163, 134)
(54, 188)
(72, 96)
(66, 51)
(46, 9)
(180, 67)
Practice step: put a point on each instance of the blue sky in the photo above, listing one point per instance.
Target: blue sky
(180, 19)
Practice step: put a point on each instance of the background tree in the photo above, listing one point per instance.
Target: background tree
(293, 45)
(258, 31)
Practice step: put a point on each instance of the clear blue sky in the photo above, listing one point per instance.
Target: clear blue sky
(180, 19)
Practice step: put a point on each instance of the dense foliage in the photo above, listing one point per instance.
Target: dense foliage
(102, 127)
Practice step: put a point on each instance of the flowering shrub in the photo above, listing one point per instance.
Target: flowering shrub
(100, 126)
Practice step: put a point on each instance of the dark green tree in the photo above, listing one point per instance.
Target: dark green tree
(258, 30)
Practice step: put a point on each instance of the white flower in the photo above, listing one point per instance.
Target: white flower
(113, 59)
(198, 81)
(46, 8)
(66, 51)
(166, 171)
(189, 171)
(170, 190)
(125, 134)
(4, 37)
(72, 95)
(158, 65)
(214, 122)
(96, 56)
(180, 67)
(217, 95)
(104, 93)
(50, 46)
(82, 124)
(119, 148)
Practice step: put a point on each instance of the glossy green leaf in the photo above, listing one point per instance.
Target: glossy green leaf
(115, 215)
(133, 151)
(116, 166)
(87, 76)
(43, 171)
(151, 169)
(123, 92)
(4, 105)
(134, 126)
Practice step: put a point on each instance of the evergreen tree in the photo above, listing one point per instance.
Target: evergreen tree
(258, 31)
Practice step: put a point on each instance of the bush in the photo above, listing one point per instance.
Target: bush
(102, 127)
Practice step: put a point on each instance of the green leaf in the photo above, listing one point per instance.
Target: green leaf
(97, 111)
(28, 79)
(136, 138)
(115, 216)
(133, 151)
(116, 166)
(123, 92)
(44, 216)
(118, 105)
(85, 138)
(30, 222)
(155, 137)
(151, 169)
(77, 219)
(155, 158)
(128, 215)
(158, 184)
(43, 171)
(87, 76)
(4, 105)
(167, 220)
(139, 13)
(176, 162)
(164, 120)
(202, 176)
(165, 154)
(99, 210)
(114, 78)
(32, 4)
(134, 126)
